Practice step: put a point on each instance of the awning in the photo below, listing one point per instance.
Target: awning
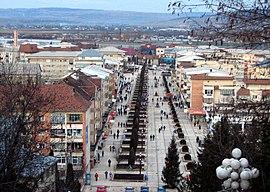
(169, 95)
(196, 112)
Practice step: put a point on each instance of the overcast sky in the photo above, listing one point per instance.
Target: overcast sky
(127, 5)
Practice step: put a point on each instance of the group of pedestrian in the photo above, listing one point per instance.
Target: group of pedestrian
(152, 137)
(112, 148)
(116, 135)
(106, 175)
(121, 124)
(197, 123)
(161, 127)
(124, 93)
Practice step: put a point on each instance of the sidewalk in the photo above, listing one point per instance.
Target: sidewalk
(156, 149)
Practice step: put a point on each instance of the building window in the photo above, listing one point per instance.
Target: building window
(75, 160)
(254, 96)
(227, 91)
(208, 92)
(75, 146)
(75, 118)
(208, 100)
(62, 159)
(41, 132)
(57, 118)
(74, 132)
(42, 118)
(40, 145)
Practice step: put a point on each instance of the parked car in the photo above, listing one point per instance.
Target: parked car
(144, 189)
(101, 188)
(129, 189)
(161, 189)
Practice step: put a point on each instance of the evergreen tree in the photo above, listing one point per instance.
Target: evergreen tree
(171, 173)
(216, 147)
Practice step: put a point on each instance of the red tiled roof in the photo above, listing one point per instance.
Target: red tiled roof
(52, 97)
(265, 93)
(149, 57)
(32, 48)
(28, 48)
(257, 81)
(130, 51)
(243, 92)
(61, 49)
(187, 64)
(65, 98)
(89, 80)
(206, 77)
(148, 46)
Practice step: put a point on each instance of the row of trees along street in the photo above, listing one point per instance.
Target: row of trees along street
(247, 23)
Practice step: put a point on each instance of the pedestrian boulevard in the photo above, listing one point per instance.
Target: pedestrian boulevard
(156, 146)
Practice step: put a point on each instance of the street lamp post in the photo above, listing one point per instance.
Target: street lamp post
(140, 158)
(236, 172)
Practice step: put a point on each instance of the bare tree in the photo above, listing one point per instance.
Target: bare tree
(245, 22)
(21, 131)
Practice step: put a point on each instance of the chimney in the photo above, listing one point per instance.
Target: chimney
(15, 38)
(73, 91)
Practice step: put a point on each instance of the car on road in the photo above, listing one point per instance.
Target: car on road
(101, 188)
(144, 189)
(161, 189)
(129, 189)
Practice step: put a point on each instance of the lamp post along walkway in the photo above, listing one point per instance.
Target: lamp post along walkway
(236, 172)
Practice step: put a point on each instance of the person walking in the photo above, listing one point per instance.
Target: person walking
(153, 137)
(110, 148)
(106, 174)
(96, 176)
(111, 175)
(102, 153)
(114, 135)
(109, 162)
(98, 157)
(150, 137)
(113, 148)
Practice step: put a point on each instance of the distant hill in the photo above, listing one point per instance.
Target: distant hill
(67, 16)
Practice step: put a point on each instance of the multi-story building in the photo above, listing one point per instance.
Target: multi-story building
(54, 65)
(257, 87)
(71, 119)
(89, 57)
(205, 89)
(23, 73)
(107, 84)
(113, 52)
(9, 55)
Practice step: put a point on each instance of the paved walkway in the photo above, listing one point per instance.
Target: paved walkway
(156, 149)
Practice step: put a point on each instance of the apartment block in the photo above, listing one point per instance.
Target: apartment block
(71, 120)
(206, 90)
(54, 65)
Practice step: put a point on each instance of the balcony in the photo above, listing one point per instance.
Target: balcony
(208, 95)
(58, 133)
